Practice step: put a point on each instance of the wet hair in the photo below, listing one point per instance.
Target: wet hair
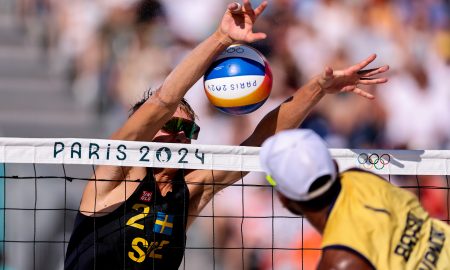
(184, 105)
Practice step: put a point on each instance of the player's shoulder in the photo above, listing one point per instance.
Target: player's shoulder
(358, 171)
(359, 174)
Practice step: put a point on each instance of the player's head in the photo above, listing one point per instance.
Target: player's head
(181, 128)
(299, 165)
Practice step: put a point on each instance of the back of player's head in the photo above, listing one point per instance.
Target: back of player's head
(296, 161)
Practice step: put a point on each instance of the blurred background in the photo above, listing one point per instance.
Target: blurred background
(74, 68)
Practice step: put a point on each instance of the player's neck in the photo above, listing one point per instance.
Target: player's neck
(318, 219)
(318, 209)
(164, 179)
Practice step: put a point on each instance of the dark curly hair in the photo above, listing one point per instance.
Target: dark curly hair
(184, 105)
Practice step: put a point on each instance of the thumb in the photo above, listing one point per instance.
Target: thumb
(327, 74)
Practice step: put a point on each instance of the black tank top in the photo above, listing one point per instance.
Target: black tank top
(147, 231)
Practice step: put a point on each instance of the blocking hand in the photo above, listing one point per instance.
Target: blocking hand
(238, 21)
(349, 79)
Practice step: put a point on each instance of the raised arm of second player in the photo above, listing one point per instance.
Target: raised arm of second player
(288, 115)
(291, 113)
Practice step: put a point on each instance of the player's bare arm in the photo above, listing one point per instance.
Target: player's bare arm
(147, 120)
(290, 114)
(236, 25)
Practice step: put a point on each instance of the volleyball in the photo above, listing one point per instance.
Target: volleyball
(239, 80)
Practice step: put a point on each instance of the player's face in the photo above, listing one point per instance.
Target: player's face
(179, 129)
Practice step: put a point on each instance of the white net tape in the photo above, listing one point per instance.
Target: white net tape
(218, 157)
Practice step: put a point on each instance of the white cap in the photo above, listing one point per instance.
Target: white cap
(293, 160)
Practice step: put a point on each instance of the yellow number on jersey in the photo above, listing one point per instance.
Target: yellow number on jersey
(132, 221)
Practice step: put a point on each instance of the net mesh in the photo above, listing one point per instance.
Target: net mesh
(243, 227)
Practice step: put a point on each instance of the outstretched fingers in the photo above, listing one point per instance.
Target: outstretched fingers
(256, 12)
(260, 8)
(370, 81)
(247, 5)
(363, 93)
(249, 9)
(373, 71)
(357, 67)
(367, 81)
(256, 36)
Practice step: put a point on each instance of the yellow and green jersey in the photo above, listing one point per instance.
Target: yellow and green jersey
(386, 225)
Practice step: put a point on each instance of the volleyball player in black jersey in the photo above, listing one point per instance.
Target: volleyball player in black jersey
(141, 223)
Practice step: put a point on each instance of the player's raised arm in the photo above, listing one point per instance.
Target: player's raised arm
(236, 26)
(291, 113)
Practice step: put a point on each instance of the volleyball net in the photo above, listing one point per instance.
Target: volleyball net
(243, 227)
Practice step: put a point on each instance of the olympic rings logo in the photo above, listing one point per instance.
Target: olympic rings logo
(234, 50)
(374, 160)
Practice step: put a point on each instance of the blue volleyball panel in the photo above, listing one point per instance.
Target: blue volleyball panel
(229, 67)
(241, 109)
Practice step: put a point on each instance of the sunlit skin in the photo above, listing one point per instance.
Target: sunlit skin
(145, 124)
(101, 197)
(164, 176)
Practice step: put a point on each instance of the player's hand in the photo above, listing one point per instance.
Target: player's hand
(350, 79)
(237, 23)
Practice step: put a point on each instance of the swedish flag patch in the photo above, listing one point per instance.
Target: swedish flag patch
(163, 223)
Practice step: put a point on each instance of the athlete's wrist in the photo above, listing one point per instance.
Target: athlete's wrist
(223, 38)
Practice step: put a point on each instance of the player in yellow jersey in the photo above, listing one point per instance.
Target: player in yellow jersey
(366, 222)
